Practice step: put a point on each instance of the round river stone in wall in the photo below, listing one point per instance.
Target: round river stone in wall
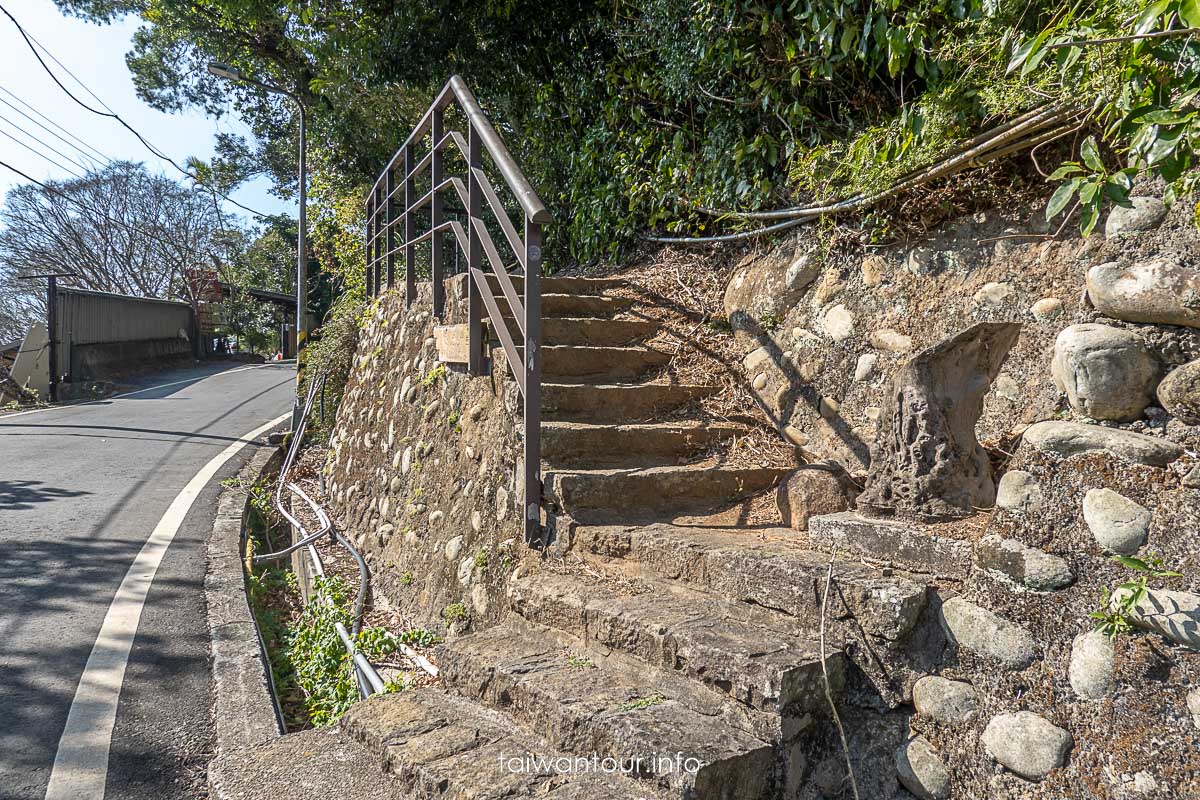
(1046, 309)
(1091, 670)
(865, 366)
(1161, 291)
(1027, 744)
(921, 771)
(980, 631)
(1119, 524)
(1179, 393)
(1018, 491)
(1107, 373)
(838, 323)
(944, 700)
(1142, 214)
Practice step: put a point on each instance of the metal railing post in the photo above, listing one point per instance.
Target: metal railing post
(369, 266)
(410, 229)
(437, 172)
(389, 215)
(377, 278)
(475, 343)
(533, 383)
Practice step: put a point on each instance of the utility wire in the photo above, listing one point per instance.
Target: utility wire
(109, 113)
(40, 154)
(70, 159)
(103, 157)
(88, 208)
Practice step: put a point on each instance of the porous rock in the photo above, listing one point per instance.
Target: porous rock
(1118, 524)
(1076, 438)
(1161, 291)
(944, 700)
(1179, 393)
(980, 631)
(921, 771)
(1107, 373)
(1027, 744)
(926, 462)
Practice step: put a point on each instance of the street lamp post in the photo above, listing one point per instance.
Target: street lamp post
(230, 73)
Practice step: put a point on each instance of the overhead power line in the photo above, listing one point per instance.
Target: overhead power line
(70, 159)
(40, 154)
(85, 206)
(109, 112)
(82, 146)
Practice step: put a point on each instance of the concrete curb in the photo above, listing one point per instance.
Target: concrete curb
(244, 709)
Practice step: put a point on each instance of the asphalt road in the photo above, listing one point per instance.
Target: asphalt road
(81, 489)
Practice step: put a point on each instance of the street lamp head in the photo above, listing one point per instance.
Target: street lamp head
(225, 71)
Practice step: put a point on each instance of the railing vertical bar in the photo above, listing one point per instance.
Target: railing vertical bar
(389, 216)
(437, 169)
(474, 257)
(379, 243)
(532, 365)
(369, 229)
(410, 229)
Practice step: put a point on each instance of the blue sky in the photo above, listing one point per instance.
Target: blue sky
(96, 54)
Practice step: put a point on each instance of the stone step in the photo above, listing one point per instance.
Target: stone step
(583, 286)
(599, 364)
(582, 305)
(650, 493)
(586, 707)
(752, 655)
(438, 745)
(586, 332)
(764, 567)
(573, 306)
(910, 546)
(580, 445)
(616, 403)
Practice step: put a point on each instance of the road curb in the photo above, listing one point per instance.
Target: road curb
(244, 709)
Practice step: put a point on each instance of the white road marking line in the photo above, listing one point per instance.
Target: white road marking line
(81, 763)
(138, 391)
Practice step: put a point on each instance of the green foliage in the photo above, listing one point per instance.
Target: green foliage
(419, 637)
(1141, 91)
(639, 703)
(628, 116)
(1113, 616)
(434, 375)
(323, 669)
(579, 662)
(455, 612)
(331, 352)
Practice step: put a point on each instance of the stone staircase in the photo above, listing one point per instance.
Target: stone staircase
(686, 651)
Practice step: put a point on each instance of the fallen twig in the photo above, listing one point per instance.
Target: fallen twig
(837, 720)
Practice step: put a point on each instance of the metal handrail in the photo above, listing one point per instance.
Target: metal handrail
(392, 204)
(368, 679)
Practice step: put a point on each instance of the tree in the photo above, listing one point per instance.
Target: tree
(264, 263)
(120, 229)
